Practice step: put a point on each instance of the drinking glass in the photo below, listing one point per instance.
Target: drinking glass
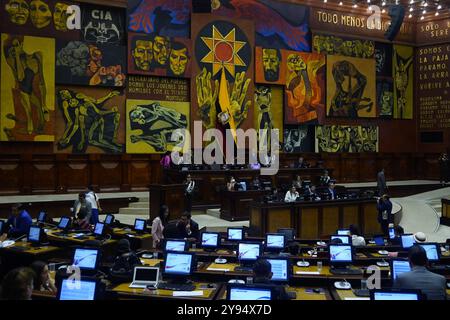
(319, 266)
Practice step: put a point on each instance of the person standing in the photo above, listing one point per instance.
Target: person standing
(381, 183)
(93, 199)
(158, 225)
(384, 207)
(444, 168)
(82, 211)
(166, 160)
(189, 188)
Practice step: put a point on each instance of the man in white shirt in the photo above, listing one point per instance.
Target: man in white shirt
(291, 195)
(93, 199)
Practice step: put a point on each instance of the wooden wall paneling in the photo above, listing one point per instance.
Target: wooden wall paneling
(77, 175)
(256, 221)
(139, 169)
(309, 223)
(370, 225)
(125, 173)
(351, 168)
(334, 161)
(279, 218)
(350, 215)
(109, 170)
(44, 174)
(61, 167)
(367, 167)
(27, 173)
(11, 174)
(330, 219)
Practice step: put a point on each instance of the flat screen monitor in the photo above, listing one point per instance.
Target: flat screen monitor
(235, 234)
(99, 228)
(280, 269)
(391, 233)
(179, 263)
(275, 241)
(379, 240)
(42, 217)
(248, 252)
(64, 223)
(34, 234)
(244, 292)
(175, 245)
(210, 240)
(289, 233)
(343, 232)
(395, 294)
(341, 254)
(399, 266)
(109, 219)
(432, 250)
(73, 289)
(139, 224)
(407, 241)
(86, 259)
(344, 239)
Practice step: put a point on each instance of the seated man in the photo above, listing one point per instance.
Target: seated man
(311, 194)
(332, 194)
(419, 278)
(262, 274)
(325, 179)
(187, 228)
(357, 238)
(301, 163)
(291, 195)
(19, 222)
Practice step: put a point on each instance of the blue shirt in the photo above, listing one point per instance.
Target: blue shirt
(20, 224)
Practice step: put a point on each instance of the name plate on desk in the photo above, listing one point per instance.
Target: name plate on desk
(307, 272)
(218, 269)
(188, 293)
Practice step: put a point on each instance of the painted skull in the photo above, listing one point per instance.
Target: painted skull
(40, 14)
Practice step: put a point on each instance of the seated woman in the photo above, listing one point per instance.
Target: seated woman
(18, 284)
(42, 281)
(231, 184)
(297, 183)
(357, 238)
(291, 195)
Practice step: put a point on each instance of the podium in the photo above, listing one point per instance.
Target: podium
(171, 195)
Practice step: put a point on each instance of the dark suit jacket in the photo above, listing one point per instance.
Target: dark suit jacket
(419, 278)
(279, 291)
(381, 183)
(182, 233)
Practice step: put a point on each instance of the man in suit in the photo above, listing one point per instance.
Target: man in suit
(332, 195)
(384, 207)
(187, 228)
(419, 278)
(189, 188)
(381, 183)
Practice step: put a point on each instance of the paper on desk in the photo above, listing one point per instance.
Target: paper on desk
(217, 269)
(356, 298)
(76, 235)
(307, 272)
(188, 293)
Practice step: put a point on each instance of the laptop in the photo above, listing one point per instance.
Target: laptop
(144, 277)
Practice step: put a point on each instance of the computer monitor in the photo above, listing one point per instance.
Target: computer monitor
(399, 266)
(379, 240)
(109, 219)
(344, 239)
(64, 223)
(248, 252)
(140, 225)
(280, 269)
(343, 232)
(248, 292)
(275, 242)
(75, 289)
(289, 233)
(407, 240)
(34, 234)
(210, 240)
(86, 259)
(176, 245)
(42, 217)
(393, 294)
(340, 254)
(391, 233)
(432, 250)
(178, 265)
(99, 229)
(235, 234)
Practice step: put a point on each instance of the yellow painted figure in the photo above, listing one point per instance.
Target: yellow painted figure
(40, 14)
(143, 54)
(161, 49)
(60, 16)
(178, 59)
(271, 59)
(18, 11)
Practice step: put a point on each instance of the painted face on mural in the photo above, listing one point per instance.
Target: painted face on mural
(18, 11)
(161, 48)
(60, 16)
(263, 97)
(40, 14)
(295, 63)
(143, 54)
(271, 64)
(178, 60)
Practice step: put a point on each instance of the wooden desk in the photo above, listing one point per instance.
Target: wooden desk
(235, 204)
(302, 293)
(445, 217)
(211, 183)
(125, 292)
(137, 240)
(316, 219)
(346, 295)
(167, 194)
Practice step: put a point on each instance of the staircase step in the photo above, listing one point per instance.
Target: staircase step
(213, 212)
(134, 211)
(144, 199)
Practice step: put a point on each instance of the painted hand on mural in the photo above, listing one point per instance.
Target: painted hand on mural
(238, 106)
(207, 97)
